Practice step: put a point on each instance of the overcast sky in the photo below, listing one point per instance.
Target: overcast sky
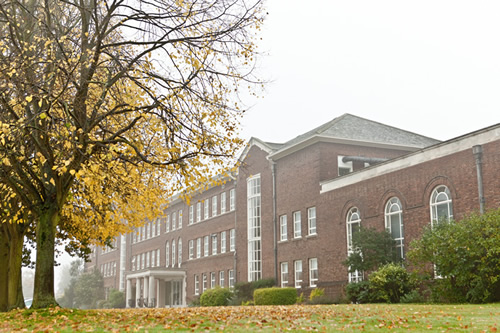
(430, 67)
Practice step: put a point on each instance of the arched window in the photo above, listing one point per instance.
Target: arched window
(441, 205)
(179, 252)
(173, 253)
(353, 223)
(167, 253)
(394, 224)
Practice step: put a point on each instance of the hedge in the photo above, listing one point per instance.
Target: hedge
(216, 297)
(275, 296)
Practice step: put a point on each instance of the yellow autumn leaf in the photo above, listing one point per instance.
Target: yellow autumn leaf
(29, 98)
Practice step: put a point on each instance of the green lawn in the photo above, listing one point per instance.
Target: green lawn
(370, 318)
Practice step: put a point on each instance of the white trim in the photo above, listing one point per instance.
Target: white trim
(424, 155)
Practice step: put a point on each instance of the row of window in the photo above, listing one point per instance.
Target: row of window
(145, 260)
(210, 204)
(211, 241)
(297, 224)
(174, 256)
(147, 231)
(111, 247)
(441, 207)
(298, 276)
(213, 281)
(108, 269)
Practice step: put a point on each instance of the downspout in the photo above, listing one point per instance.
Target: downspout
(275, 221)
(478, 155)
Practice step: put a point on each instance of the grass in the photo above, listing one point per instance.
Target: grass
(362, 318)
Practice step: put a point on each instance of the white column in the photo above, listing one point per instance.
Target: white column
(137, 290)
(146, 291)
(151, 293)
(128, 293)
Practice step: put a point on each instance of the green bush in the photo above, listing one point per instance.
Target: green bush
(243, 291)
(275, 296)
(358, 292)
(389, 283)
(116, 299)
(412, 297)
(216, 297)
(316, 293)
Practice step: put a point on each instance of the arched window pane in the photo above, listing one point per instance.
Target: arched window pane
(394, 223)
(441, 204)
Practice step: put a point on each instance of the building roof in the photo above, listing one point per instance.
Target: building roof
(353, 129)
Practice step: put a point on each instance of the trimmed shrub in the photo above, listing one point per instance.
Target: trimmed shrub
(243, 291)
(389, 283)
(216, 297)
(275, 296)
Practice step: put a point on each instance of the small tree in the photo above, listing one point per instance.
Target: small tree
(89, 289)
(372, 249)
(466, 256)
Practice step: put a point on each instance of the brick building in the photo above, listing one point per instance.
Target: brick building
(290, 209)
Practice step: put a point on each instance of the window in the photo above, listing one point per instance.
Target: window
(167, 254)
(147, 259)
(232, 199)
(214, 206)
(143, 260)
(174, 221)
(231, 278)
(353, 223)
(232, 240)
(298, 273)
(283, 228)
(221, 278)
(344, 167)
(297, 225)
(158, 227)
(311, 221)
(134, 237)
(223, 202)
(167, 224)
(138, 262)
(173, 253)
(133, 263)
(198, 211)
(157, 257)
(196, 285)
(198, 248)
(223, 242)
(204, 286)
(153, 258)
(214, 244)
(191, 214)
(180, 219)
(205, 246)
(191, 249)
(143, 232)
(206, 207)
(394, 223)
(313, 272)
(441, 205)
(212, 280)
(254, 228)
(148, 230)
(179, 252)
(284, 274)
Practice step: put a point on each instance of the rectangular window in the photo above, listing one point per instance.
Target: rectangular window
(158, 227)
(191, 214)
(167, 254)
(138, 262)
(221, 279)
(143, 260)
(191, 249)
(232, 200)
(231, 278)
(284, 274)
(153, 258)
(196, 285)
(297, 225)
(134, 237)
(313, 272)
(157, 257)
(180, 219)
(232, 240)
(223, 202)
(198, 211)
(147, 259)
(214, 205)
(174, 221)
(204, 286)
(283, 228)
(133, 263)
(212, 280)
(148, 230)
(298, 273)
(206, 246)
(198, 248)
(223, 242)
(214, 244)
(254, 228)
(206, 207)
(311, 221)
(173, 253)
(167, 224)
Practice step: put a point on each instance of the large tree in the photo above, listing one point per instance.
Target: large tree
(103, 102)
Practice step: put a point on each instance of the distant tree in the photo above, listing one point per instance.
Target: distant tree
(74, 271)
(371, 249)
(465, 255)
(89, 289)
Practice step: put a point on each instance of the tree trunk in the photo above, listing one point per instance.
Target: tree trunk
(15, 265)
(4, 271)
(43, 294)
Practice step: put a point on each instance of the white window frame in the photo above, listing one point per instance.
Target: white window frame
(174, 221)
(167, 224)
(213, 280)
(180, 219)
(214, 206)
(441, 196)
(394, 215)
(297, 224)
(191, 214)
(232, 240)
(232, 200)
(157, 257)
(283, 228)
(353, 220)
(297, 268)
(198, 247)
(313, 272)
(198, 211)
(222, 278)
(311, 221)
(284, 274)
(204, 282)
(179, 252)
(174, 257)
(196, 284)
(223, 202)
(214, 244)
(223, 242)
(254, 228)
(153, 258)
(206, 207)
(206, 246)
(231, 278)
(191, 249)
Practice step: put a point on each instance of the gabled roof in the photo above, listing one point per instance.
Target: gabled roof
(268, 147)
(350, 129)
